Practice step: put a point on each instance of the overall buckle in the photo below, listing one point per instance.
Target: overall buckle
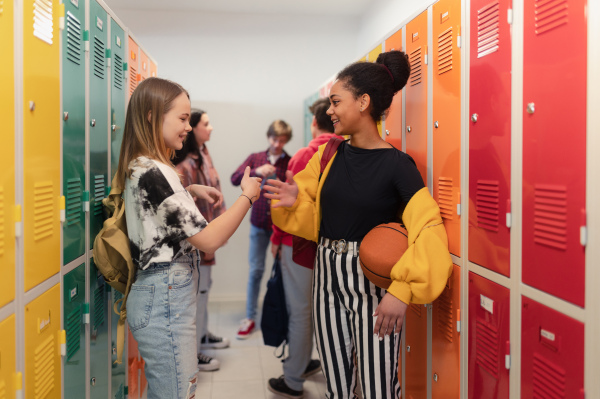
(339, 246)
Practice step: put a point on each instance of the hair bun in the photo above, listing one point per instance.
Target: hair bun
(398, 66)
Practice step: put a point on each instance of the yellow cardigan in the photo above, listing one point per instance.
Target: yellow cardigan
(420, 275)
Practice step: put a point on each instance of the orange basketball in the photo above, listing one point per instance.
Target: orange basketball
(379, 251)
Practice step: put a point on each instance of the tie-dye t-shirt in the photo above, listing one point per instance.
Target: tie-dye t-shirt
(160, 213)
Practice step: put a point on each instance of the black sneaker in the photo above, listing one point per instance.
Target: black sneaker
(314, 366)
(210, 341)
(278, 386)
(207, 363)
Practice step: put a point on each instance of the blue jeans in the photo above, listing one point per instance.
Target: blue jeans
(161, 312)
(259, 242)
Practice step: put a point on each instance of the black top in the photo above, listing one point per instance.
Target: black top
(365, 188)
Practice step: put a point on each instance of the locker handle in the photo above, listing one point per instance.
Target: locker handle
(426, 56)
(61, 16)
(458, 37)
(18, 221)
(508, 214)
(507, 356)
(62, 208)
(583, 229)
(63, 343)
(458, 321)
(19, 385)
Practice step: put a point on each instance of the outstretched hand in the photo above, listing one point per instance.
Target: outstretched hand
(207, 193)
(390, 314)
(285, 192)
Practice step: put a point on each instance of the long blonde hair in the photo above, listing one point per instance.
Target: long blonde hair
(142, 135)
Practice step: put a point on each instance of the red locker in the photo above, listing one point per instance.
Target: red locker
(416, 93)
(415, 367)
(554, 147)
(446, 116)
(489, 136)
(489, 333)
(393, 120)
(551, 353)
(445, 354)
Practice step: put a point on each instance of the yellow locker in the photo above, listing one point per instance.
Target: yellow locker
(7, 358)
(42, 346)
(41, 140)
(7, 154)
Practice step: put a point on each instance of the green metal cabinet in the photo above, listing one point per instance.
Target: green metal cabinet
(99, 117)
(99, 343)
(74, 308)
(118, 88)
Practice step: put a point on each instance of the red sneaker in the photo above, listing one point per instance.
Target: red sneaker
(246, 328)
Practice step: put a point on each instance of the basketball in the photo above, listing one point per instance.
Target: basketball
(379, 251)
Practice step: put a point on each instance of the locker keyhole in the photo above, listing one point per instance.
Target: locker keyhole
(408, 129)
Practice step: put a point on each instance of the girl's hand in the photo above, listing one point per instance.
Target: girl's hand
(250, 185)
(207, 193)
(390, 314)
(285, 192)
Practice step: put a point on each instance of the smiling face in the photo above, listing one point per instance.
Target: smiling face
(344, 110)
(176, 122)
(203, 130)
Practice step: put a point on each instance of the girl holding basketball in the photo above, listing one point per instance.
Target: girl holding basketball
(365, 184)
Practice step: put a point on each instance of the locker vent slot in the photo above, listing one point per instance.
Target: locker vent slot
(488, 29)
(550, 216)
(446, 315)
(98, 194)
(416, 67)
(98, 58)
(445, 201)
(2, 221)
(417, 309)
(118, 72)
(3, 390)
(73, 201)
(487, 347)
(73, 332)
(132, 79)
(550, 14)
(549, 380)
(43, 23)
(73, 39)
(445, 51)
(98, 306)
(44, 368)
(487, 204)
(43, 211)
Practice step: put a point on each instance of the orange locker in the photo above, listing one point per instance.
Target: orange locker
(41, 140)
(144, 65)
(133, 61)
(153, 69)
(7, 156)
(416, 93)
(393, 120)
(446, 116)
(415, 367)
(445, 354)
(8, 357)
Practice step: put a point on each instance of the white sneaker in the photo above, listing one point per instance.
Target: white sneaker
(207, 363)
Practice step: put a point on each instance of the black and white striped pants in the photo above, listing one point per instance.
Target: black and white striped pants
(344, 301)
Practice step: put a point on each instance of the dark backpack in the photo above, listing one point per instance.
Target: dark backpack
(274, 320)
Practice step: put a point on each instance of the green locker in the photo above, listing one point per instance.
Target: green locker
(73, 85)
(99, 117)
(73, 309)
(118, 380)
(99, 348)
(117, 93)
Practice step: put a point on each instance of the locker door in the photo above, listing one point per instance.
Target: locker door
(446, 116)
(99, 117)
(554, 143)
(393, 120)
(118, 371)
(41, 140)
(8, 357)
(144, 65)
(416, 93)
(73, 85)
(99, 344)
(153, 69)
(489, 324)
(489, 135)
(118, 88)
(445, 354)
(75, 361)
(7, 155)
(42, 349)
(551, 353)
(133, 61)
(415, 367)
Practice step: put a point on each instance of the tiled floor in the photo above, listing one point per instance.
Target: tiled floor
(247, 365)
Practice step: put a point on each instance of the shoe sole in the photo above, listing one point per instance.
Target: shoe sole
(208, 368)
(284, 394)
(220, 345)
(312, 372)
(243, 336)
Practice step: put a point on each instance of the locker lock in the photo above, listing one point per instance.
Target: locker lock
(408, 348)
(435, 377)
(387, 132)
(530, 108)
(65, 116)
(474, 118)
(93, 381)
(114, 351)
(114, 128)
(93, 123)
(436, 124)
(31, 105)
(408, 129)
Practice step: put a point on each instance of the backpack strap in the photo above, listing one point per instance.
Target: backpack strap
(330, 150)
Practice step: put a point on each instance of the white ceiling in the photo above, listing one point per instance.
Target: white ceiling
(353, 8)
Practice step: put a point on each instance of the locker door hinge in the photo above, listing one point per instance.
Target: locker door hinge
(509, 16)
(61, 16)
(86, 39)
(63, 343)
(86, 313)
(583, 236)
(86, 201)
(507, 356)
(508, 214)
(62, 208)
(18, 221)
(458, 321)
(458, 44)
(19, 385)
